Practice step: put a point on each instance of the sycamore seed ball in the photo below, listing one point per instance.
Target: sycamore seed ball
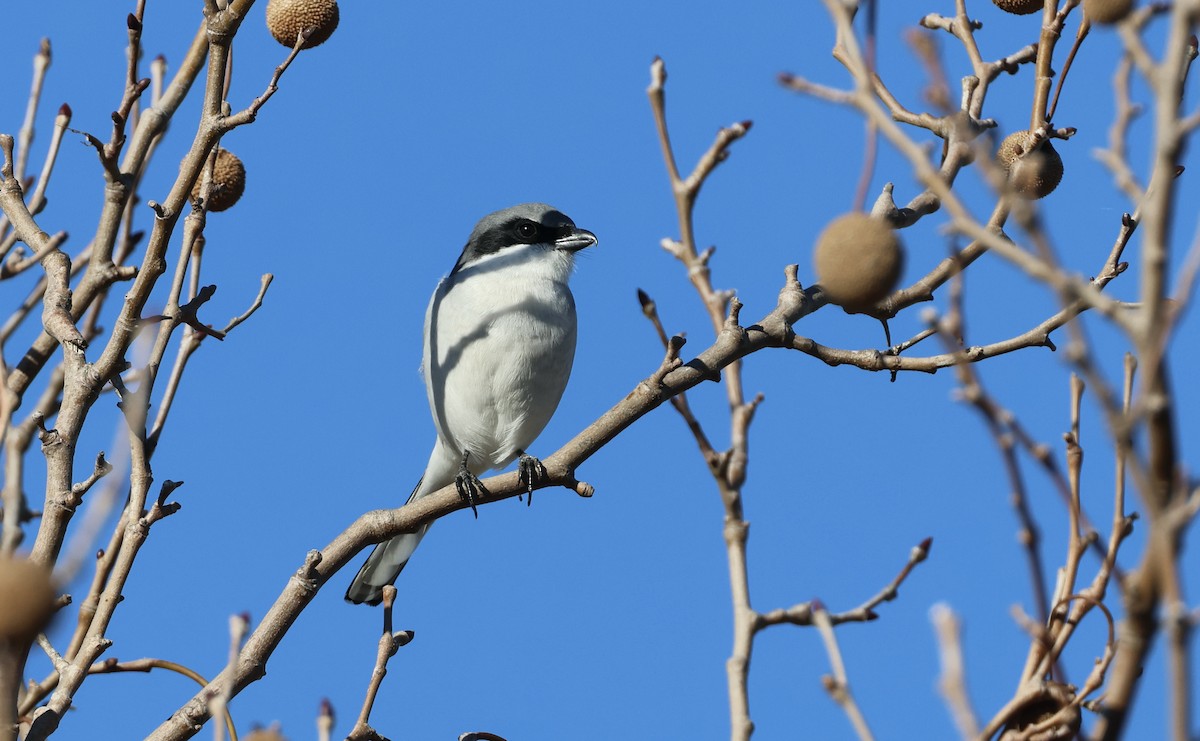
(228, 184)
(858, 260)
(287, 18)
(27, 597)
(265, 734)
(1107, 11)
(1019, 7)
(1034, 171)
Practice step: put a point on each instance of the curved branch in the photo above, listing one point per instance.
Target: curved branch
(733, 343)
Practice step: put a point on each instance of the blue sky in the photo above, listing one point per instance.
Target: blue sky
(609, 617)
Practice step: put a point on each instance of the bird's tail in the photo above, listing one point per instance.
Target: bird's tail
(385, 564)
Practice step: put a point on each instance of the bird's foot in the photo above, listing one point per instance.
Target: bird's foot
(468, 484)
(530, 470)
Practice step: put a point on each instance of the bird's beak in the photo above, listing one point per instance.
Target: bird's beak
(575, 241)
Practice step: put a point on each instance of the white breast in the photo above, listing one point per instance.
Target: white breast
(499, 344)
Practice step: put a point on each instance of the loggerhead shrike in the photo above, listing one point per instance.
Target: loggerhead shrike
(499, 343)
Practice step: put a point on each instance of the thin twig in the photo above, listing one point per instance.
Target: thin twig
(41, 63)
(953, 682)
(838, 685)
(802, 613)
(115, 666)
(389, 643)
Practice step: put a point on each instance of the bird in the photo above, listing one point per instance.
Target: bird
(499, 344)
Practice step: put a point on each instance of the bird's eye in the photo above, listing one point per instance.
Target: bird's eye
(527, 230)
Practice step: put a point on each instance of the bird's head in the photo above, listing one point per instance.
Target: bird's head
(529, 231)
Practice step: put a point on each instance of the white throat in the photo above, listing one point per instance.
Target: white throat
(530, 261)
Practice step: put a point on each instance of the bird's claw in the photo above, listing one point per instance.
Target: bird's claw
(469, 486)
(529, 469)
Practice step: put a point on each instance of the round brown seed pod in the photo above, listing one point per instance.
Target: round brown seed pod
(286, 19)
(1107, 11)
(858, 260)
(265, 734)
(1019, 7)
(1034, 170)
(27, 596)
(228, 181)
